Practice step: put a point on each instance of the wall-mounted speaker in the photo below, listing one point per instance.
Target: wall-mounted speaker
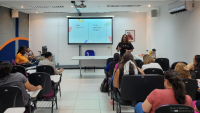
(154, 13)
(15, 14)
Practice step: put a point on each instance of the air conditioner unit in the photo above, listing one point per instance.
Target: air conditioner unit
(181, 6)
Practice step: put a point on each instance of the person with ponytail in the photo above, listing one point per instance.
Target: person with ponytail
(47, 61)
(127, 66)
(174, 93)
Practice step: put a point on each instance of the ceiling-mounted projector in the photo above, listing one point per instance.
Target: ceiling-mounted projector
(82, 6)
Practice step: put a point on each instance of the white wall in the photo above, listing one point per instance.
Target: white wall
(51, 30)
(176, 36)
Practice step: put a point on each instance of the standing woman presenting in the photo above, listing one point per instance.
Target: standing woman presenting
(124, 46)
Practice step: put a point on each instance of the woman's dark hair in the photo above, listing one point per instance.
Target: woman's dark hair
(21, 48)
(116, 57)
(127, 41)
(125, 58)
(197, 59)
(47, 54)
(177, 84)
(5, 69)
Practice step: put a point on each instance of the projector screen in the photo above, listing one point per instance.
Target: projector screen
(90, 30)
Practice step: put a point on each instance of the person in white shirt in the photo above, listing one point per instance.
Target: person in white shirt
(149, 63)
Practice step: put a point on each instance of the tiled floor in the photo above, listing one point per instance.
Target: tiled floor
(82, 95)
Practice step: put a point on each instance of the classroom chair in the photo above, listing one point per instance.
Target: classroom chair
(164, 63)
(19, 69)
(137, 61)
(153, 71)
(191, 87)
(89, 53)
(135, 88)
(197, 72)
(48, 92)
(178, 108)
(49, 70)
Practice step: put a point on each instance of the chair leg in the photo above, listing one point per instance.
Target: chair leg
(56, 103)
(52, 107)
(60, 90)
(113, 104)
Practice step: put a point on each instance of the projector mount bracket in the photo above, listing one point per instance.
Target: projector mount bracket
(74, 3)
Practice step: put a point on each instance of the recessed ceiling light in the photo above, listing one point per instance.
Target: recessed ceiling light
(149, 5)
(137, 11)
(22, 6)
(36, 12)
(72, 6)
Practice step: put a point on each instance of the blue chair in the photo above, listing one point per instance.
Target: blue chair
(89, 53)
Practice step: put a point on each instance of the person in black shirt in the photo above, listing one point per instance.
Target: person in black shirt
(124, 46)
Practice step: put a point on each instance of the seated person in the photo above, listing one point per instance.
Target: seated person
(47, 61)
(127, 66)
(16, 79)
(21, 58)
(195, 65)
(149, 63)
(184, 74)
(115, 60)
(174, 93)
(29, 53)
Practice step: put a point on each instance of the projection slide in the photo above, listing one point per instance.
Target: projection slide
(90, 30)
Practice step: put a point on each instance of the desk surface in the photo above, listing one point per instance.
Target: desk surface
(15, 110)
(91, 57)
(33, 94)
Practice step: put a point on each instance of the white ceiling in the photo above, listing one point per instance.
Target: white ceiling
(93, 6)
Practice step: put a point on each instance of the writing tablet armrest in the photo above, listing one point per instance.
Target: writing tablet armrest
(33, 94)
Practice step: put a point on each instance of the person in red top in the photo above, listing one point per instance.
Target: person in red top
(174, 93)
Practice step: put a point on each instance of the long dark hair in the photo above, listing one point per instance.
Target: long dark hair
(47, 54)
(5, 69)
(177, 84)
(116, 57)
(125, 58)
(197, 59)
(21, 48)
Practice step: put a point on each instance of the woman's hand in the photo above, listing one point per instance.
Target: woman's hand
(127, 50)
(119, 48)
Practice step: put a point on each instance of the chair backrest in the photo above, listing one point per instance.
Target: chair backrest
(13, 62)
(174, 64)
(164, 63)
(137, 61)
(191, 87)
(46, 68)
(111, 69)
(91, 53)
(138, 87)
(178, 108)
(153, 71)
(11, 96)
(141, 64)
(43, 79)
(19, 69)
(109, 60)
(197, 72)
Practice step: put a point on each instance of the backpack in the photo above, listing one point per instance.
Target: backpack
(104, 86)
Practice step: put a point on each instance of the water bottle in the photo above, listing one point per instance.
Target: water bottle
(88, 54)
